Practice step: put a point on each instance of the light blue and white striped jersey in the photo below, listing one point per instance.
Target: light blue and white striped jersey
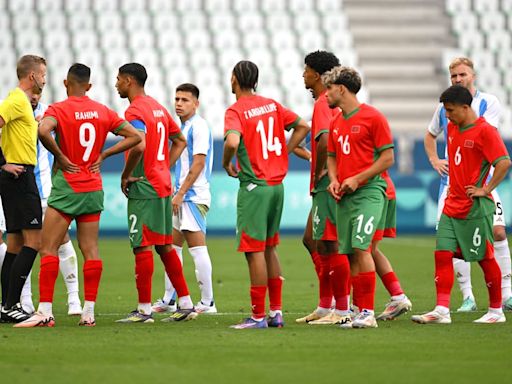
(43, 169)
(484, 104)
(199, 141)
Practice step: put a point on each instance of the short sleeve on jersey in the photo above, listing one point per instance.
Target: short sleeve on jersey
(493, 147)
(435, 128)
(139, 125)
(322, 116)
(331, 145)
(232, 123)
(290, 118)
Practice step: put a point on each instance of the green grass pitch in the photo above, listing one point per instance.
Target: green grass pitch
(207, 351)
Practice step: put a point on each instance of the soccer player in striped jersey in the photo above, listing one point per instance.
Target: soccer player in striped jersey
(149, 190)
(484, 104)
(254, 131)
(192, 198)
(68, 264)
(81, 127)
(465, 228)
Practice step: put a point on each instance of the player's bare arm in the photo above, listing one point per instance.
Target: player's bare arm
(321, 157)
(439, 165)
(386, 159)
(231, 143)
(500, 171)
(300, 131)
(334, 187)
(131, 139)
(198, 163)
(303, 153)
(179, 143)
(134, 156)
(46, 127)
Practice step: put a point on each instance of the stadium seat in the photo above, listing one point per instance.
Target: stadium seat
(165, 23)
(207, 78)
(76, 6)
(227, 39)
(328, 6)
(193, 21)
(306, 22)
(20, 6)
(218, 21)
(228, 58)
(212, 6)
(157, 7)
(283, 40)
(492, 21)
(506, 6)
(245, 6)
(172, 58)
(335, 24)
(133, 6)
(108, 22)
(255, 40)
(485, 6)
(26, 42)
(140, 39)
(499, 40)
(298, 6)
(137, 22)
(198, 40)
(471, 40)
(178, 75)
(186, 6)
(271, 6)
(56, 43)
(47, 5)
(249, 22)
(311, 41)
(101, 6)
(78, 23)
(50, 22)
(202, 60)
(463, 22)
(27, 23)
(278, 21)
(456, 6)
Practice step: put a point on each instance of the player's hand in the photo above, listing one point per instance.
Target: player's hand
(231, 170)
(440, 166)
(96, 166)
(474, 191)
(334, 189)
(318, 177)
(67, 166)
(14, 169)
(177, 201)
(127, 181)
(349, 185)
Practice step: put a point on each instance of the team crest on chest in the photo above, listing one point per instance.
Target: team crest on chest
(469, 143)
(355, 129)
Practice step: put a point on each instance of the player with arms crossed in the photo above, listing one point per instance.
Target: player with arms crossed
(320, 236)
(254, 131)
(465, 227)
(360, 149)
(486, 105)
(149, 189)
(81, 127)
(192, 198)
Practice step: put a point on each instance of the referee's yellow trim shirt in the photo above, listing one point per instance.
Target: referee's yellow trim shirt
(19, 134)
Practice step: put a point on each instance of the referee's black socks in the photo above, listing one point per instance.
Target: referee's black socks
(6, 273)
(19, 272)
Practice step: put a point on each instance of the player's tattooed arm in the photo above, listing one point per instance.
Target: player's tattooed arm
(46, 127)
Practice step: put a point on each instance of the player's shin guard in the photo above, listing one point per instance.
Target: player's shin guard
(502, 255)
(443, 277)
(275, 288)
(258, 293)
(47, 277)
(92, 276)
(340, 280)
(324, 282)
(492, 275)
(69, 267)
(366, 286)
(144, 267)
(392, 284)
(174, 270)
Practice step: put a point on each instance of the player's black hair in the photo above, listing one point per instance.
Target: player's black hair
(188, 87)
(80, 72)
(321, 61)
(135, 70)
(246, 73)
(457, 94)
(346, 76)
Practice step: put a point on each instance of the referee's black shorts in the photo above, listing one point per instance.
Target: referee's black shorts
(20, 200)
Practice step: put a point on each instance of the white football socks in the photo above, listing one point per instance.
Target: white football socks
(203, 270)
(68, 266)
(502, 255)
(463, 274)
(3, 249)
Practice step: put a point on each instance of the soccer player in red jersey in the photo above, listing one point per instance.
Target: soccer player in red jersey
(360, 149)
(465, 228)
(254, 131)
(149, 191)
(81, 127)
(320, 236)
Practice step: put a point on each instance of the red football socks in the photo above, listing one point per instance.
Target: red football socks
(354, 282)
(317, 261)
(324, 282)
(47, 277)
(444, 277)
(174, 270)
(392, 284)
(258, 293)
(340, 280)
(492, 275)
(366, 285)
(144, 267)
(92, 275)
(275, 288)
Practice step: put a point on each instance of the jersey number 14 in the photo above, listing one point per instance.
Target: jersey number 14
(269, 143)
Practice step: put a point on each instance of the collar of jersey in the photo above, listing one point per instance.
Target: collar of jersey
(349, 115)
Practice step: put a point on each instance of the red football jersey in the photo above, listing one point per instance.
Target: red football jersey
(322, 116)
(262, 155)
(471, 152)
(82, 127)
(356, 139)
(147, 115)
